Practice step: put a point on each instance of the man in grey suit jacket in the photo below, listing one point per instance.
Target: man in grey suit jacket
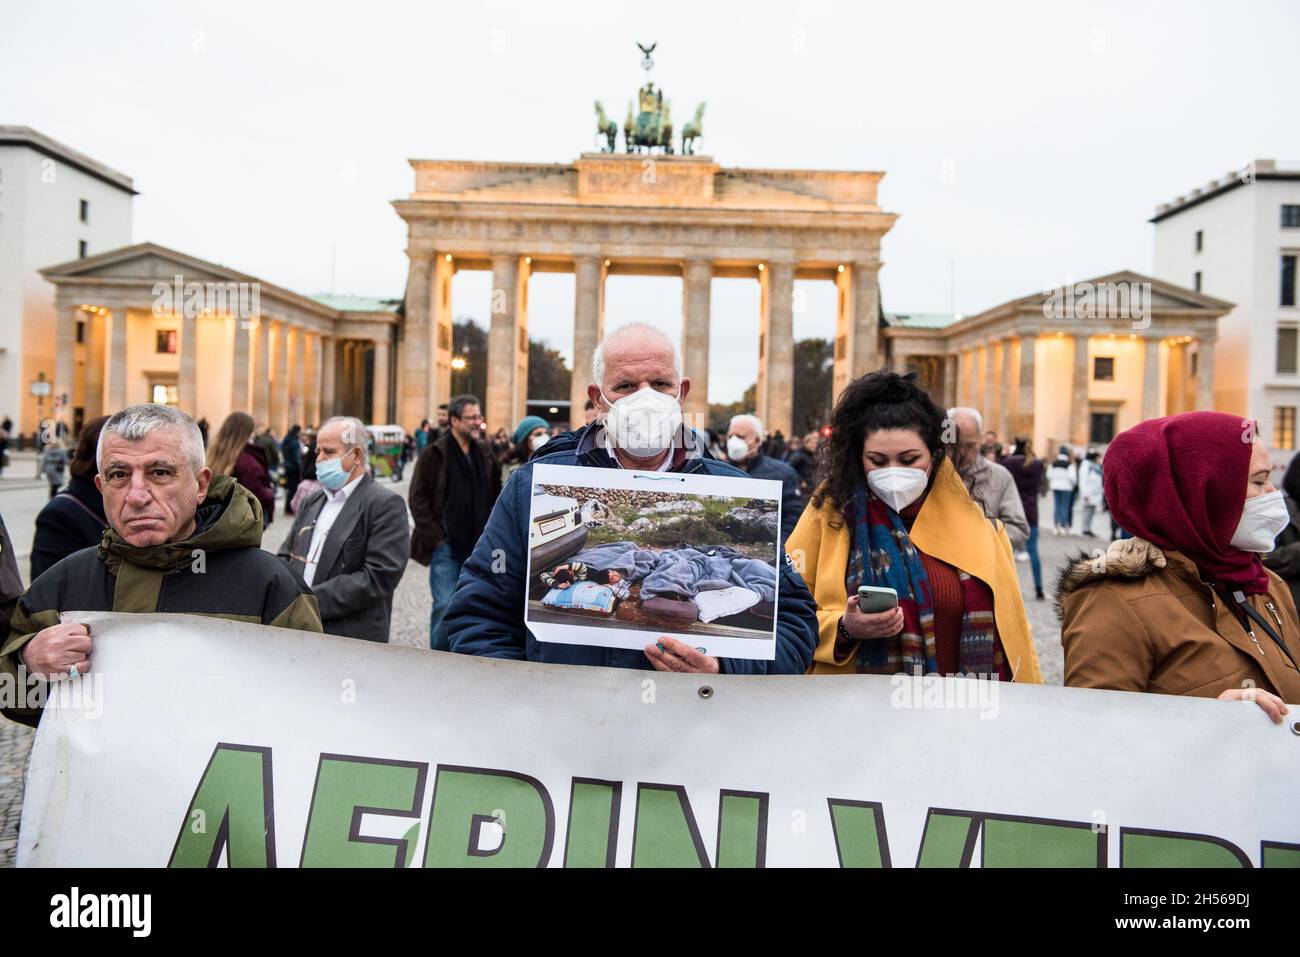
(351, 539)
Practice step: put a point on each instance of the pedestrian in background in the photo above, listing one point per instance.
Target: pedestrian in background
(1028, 473)
(530, 435)
(237, 453)
(1063, 480)
(349, 542)
(454, 486)
(309, 483)
(1091, 490)
(291, 455)
(54, 463)
(1284, 559)
(746, 440)
(73, 519)
(270, 447)
(989, 483)
(5, 428)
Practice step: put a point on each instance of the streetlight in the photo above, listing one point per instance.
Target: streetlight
(458, 363)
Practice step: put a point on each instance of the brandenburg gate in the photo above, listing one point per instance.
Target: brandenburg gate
(634, 214)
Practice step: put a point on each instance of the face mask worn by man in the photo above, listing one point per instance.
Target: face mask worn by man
(644, 423)
(537, 441)
(330, 473)
(1262, 520)
(897, 487)
(737, 449)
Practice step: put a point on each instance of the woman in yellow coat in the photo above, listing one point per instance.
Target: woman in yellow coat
(893, 512)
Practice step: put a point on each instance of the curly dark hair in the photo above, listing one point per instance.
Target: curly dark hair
(878, 400)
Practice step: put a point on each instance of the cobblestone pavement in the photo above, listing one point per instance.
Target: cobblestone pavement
(19, 505)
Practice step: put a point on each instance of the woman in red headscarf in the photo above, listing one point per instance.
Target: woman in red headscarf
(1185, 607)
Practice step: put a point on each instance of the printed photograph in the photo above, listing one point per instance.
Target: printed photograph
(686, 556)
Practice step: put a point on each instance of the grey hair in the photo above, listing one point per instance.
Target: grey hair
(135, 422)
(754, 421)
(643, 328)
(967, 410)
(353, 431)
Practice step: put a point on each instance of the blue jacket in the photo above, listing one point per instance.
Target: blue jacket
(486, 616)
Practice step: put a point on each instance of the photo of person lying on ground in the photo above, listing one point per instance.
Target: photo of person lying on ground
(608, 564)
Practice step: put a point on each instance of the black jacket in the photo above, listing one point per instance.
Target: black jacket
(72, 520)
(429, 490)
(361, 562)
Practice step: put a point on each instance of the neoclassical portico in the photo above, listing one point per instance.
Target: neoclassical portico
(610, 214)
(1071, 367)
(146, 323)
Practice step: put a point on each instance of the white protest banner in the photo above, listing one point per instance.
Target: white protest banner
(618, 558)
(214, 742)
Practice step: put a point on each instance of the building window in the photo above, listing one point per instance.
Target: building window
(166, 340)
(1103, 369)
(1288, 337)
(164, 394)
(1196, 280)
(1284, 427)
(81, 330)
(1288, 280)
(85, 211)
(1200, 240)
(81, 249)
(1101, 428)
(1290, 216)
(1195, 363)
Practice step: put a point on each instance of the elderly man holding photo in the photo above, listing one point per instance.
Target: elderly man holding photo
(179, 540)
(638, 389)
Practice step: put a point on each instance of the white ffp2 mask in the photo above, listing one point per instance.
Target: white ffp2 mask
(897, 487)
(644, 423)
(1262, 520)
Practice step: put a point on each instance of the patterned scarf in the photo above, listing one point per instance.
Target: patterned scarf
(894, 562)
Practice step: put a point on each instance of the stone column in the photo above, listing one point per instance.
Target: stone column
(507, 345)
(188, 380)
(775, 393)
(417, 362)
(1151, 378)
(1006, 397)
(1079, 392)
(298, 375)
(65, 361)
(329, 378)
(588, 330)
(261, 409)
(379, 385)
(116, 388)
(311, 392)
(992, 367)
(239, 368)
(439, 339)
(950, 366)
(898, 360)
(280, 381)
(1205, 374)
(857, 330)
(697, 295)
(95, 358)
(1025, 416)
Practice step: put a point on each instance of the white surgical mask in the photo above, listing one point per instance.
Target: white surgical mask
(537, 441)
(644, 423)
(1262, 519)
(897, 487)
(737, 449)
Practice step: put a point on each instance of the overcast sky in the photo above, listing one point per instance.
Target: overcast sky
(1023, 143)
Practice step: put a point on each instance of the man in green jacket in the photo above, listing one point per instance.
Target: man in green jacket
(179, 540)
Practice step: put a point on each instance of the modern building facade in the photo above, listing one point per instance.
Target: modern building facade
(56, 204)
(1238, 238)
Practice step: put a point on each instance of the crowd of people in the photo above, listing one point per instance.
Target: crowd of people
(902, 523)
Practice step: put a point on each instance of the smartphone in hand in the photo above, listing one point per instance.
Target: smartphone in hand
(873, 599)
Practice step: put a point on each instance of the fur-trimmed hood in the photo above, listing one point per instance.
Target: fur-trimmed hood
(1126, 558)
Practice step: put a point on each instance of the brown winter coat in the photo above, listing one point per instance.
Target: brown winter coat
(1150, 624)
